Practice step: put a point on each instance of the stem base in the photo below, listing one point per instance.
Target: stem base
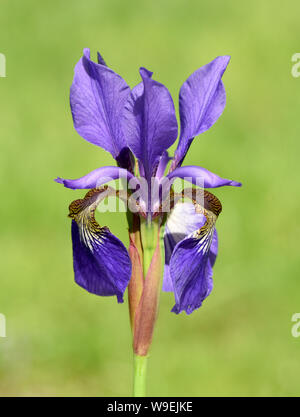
(139, 375)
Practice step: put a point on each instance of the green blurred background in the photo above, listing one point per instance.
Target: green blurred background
(64, 341)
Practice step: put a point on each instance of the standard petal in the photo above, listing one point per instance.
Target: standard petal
(97, 98)
(162, 165)
(182, 221)
(201, 177)
(96, 178)
(149, 122)
(101, 262)
(202, 100)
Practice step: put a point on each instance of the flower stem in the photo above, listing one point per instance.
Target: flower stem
(139, 375)
(149, 237)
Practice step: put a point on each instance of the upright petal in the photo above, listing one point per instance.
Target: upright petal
(97, 98)
(97, 178)
(149, 122)
(101, 262)
(162, 165)
(202, 100)
(201, 177)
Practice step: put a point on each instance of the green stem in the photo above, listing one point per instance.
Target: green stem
(149, 234)
(139, 376)
(149, 237)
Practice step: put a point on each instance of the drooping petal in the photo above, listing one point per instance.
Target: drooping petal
(213, 252)
(97, 99)
(191, 272)
(149, 121)
(182, 221)
(202, 100)
(191, 262)
(201, 177)
(96, 178)
(101, 262)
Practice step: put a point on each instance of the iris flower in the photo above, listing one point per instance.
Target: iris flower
(137, 127)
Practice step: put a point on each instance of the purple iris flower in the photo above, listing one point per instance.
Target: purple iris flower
(137, 127)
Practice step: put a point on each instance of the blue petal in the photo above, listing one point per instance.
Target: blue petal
(193, 257)
(201, 177)
(97, 178)
(149, 122)
(101, 262)
(162, 165)
(182, 221)
(97, 99)
(191, 271)
(202, 100)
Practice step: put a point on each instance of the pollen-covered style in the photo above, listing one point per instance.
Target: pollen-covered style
(137, 126)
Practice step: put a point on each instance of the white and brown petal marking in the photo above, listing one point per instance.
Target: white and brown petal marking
(189, 272)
